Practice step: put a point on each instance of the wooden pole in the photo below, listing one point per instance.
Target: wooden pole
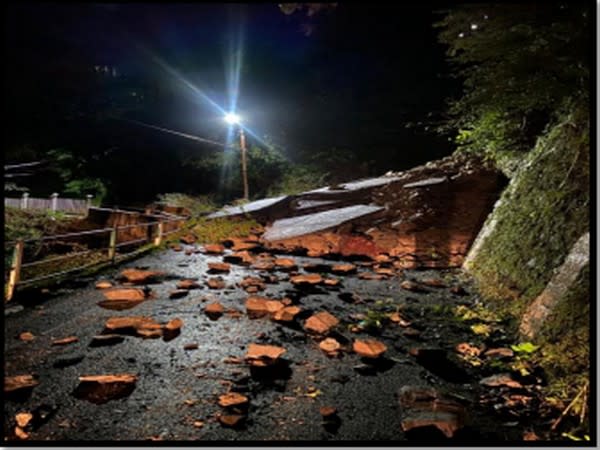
(15, 269)
(159, 234)
(244, 167)
(112, 246)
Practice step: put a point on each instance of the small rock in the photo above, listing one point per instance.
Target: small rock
(331, 281)
(192, 346)
(188, 284)
(216, 283)
(310, 279)
(411, 286)
(242, 257)
(231, 420)
(20, 433)
(140, 276)
(179, 293)
(285, 264)
(129, 294)
(260, 306)
(172, 329)
(188, 239)
(370, 276)
(321, 322)
(263, 355)
(19, 383)
(327, 411)
(467, 349)
(26, 336)
(23, 419)
(99, 389)
(65, 341)
(103, 284)
(216, 267)
(286, 314)
(216, 249)
(499, 353)
(106, 339)
(344, 269)
(330, 346)
(502, 379)
(232, 399)
(369, 348)
(214, 310)
(433, 282)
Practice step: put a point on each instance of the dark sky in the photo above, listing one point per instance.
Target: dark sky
(363, 72)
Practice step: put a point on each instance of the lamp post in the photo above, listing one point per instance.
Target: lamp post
(234, 119)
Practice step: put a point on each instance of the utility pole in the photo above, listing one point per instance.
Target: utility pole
(244, 167)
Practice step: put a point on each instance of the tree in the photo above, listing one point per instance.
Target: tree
(520, 64)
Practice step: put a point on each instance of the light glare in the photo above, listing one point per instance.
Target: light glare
(232, 119)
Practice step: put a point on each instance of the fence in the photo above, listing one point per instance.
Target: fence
(54, 203)
(102, 246)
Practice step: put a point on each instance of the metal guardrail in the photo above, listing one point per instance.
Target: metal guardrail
(110, 254)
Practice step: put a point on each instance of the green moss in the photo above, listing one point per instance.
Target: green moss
(541, 215)
(212, 231)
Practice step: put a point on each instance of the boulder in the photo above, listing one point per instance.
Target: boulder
(369, 348)
(321, 323)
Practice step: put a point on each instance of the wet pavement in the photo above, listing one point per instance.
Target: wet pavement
(178, 383)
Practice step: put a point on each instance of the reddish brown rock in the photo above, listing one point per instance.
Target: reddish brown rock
(216, 267)
(65, 341)
(263, 264)
(321, 323)
(397, 318)
(464, 348)
(286, 314)
(369, 348)
(310, 279)
(179, 293)
(188, 284)
(140, 276)
(252, 282)
(232, 399)
(502, 379)
(386, 271)
(231, 420)
(370, 276)
(215, 283)
(26, 336)
(23, 419)
(263, 355)
(330, 346)
(214, 310)
(19, 383)
(241, 257)
(344, 269)
(261, 306)
(188, 239)
(215, 249)
(327, 411)
(127, 294)
(99, 389)
(411, 286)
(103, 284)
(499, 353)
(285, 264)
(176, 247)
(433, 282)
(172, 329)
(126, 325)
(331, 282)
(241, 244)
(383, 258)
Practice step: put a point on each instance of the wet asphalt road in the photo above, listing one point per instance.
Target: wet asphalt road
(178, 387)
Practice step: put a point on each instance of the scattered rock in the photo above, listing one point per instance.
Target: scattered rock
(188, 239)
(331, 282)
(327, 411)
(192, 346)
(502, 379)
(242, 257)
(106, 339)
(19, 383)
(260, 306)
(285, 264)
(103, 284)
(188, 284)
(23, 419)
(286, 314)
(125, 294)
(321, 323)
(426, 407)
(433, 282)
(310, 279)
(20, 433)
(263, 355)
(397, 318)
(231, 420)
(99, 389)
(467, 349)
(330, 346)
(263, 264)
(232, 399)
(140, 276)
(172, 329)
(216, 267)
(252, 282)
(65, 341)
(369, 348)
(214, 310)
(411, 286)
(385, 271)
(127, 325)
(179, 293)
(215, 283)
(215, 249)
(26, 336)
(370, 276)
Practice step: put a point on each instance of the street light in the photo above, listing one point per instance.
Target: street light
(234, 119)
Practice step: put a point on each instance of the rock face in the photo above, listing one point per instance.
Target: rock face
(425, 217)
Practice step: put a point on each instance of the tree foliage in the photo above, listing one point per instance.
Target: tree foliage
(520, 64)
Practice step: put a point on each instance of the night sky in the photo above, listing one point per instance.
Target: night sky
(353, 83)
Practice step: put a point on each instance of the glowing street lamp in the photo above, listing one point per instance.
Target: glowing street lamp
(234, 119)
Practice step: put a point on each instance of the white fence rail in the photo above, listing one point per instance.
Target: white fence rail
(54, 203)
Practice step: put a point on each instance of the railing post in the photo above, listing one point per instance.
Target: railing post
(24, 200)
(159, 234)
(54, 197)
(15, 269)
(112, 246)
(88, 204)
